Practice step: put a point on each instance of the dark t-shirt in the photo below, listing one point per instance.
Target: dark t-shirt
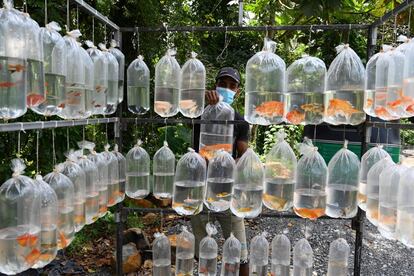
(240, 133)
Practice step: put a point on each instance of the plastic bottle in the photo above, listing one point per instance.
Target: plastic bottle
(280, 174)
(373, 189)
(76, 174)
(280, 256)
(63, 187)
(389, 184)
(120, 57)
(259, 255)
(161, 255)
(122, 173)
(344, 98)
(342, 187)
(405, 209)
(49, 221)
(265, 77)
(246, 201)
(113, 176)
(192, 87)
(137, 172)
(112, 95)
(184, 254)
(13, 102)
(220, 179)
(20, 224)
(231, 257)
(166, 93)
(309, 200)
(164, 171)
(305, 87)
(54, 54)
(338, 258)
(302, 258)
(189, 184)
(372, 156)
(138, 80)
(370, 78)
(207, 263)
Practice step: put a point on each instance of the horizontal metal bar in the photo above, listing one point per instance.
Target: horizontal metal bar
(269, 214)
(179, 121)
(389, 125)
(23, 126)
(245, 28)
(89, 9)
(400, 8)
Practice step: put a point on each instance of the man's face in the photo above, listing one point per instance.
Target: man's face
(229, 83)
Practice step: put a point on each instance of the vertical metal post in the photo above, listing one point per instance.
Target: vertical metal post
(240, 12)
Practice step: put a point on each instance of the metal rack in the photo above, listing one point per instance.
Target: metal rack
(121, 211)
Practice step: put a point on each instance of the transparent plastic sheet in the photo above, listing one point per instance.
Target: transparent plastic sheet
(167, 77)
(163, 171)
(370, 84)
(345, 88)
(64, 189)
(405, 209)
(220, 179)
(112, 94)
(280, 175)
(192, 87)
(408, 82)
(20, 226)
(207, 263)
(120, 57)
(184, 255)
(113, 176)
(342, 187)
(122, 173)
(231, 257)
(309, 199)
(280, 255)
(138, 172)
(305, 87)
(161, 255)
(138, 86)
(302, 258)
(189, 184)
(259, 255)
(338, 258)
(265, 77)
(90, 105)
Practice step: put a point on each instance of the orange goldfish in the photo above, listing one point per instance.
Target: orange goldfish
(312, 107)
(16, 67)
(270, 109)
(245, 209)
(223, 194)
(35, 99)
(162, 106)
(46, 257)
(210, 200)
(79, 219)
(111, 201)
(410, 108)
(187, 104)
(103, 209)
(295, 117)
(208, 151)
(395, 104)
(62, 105)
(369, 103)
(277, 203)
(338, 106)
(383, 113)
(27, 240)
(62, 240)
(33, 256)
(310, 213)
(7, 84)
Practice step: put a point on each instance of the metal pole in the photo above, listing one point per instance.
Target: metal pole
(89, 9)
(240, 12)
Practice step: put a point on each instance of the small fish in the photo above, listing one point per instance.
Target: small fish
(62, 240)
(369, 103)
(202, 269)
(188, 104)
(79, 219)
(310, 213)
(245, 209)
(312, 107)
(270, 109)
(184, 274)
(341, 107)
(223, 194)
(100, 88)
(208, 151)
(277, 203)
(33, 256)
(62, 105)
(97, 105)
(410, 108)
(382, 112)
(177, 204)
(162, 106)
(395, 104)
(295, 117)
(74, 94)
(7, 84)
(46, 257)
(34, 99)
(16, 67)
(103, 209)
(27, 240)
(111, 201)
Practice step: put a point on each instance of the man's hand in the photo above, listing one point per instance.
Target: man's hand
(212, 97)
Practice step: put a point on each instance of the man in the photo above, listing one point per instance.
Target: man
(227, 86)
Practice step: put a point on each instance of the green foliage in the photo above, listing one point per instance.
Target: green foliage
(407, 135)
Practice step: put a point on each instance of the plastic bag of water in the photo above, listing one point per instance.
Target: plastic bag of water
(246, 201)
(120, 57)
(137, 172)
(113, 176)
(89, 84)
(220, 179)
(138, 86)
(91, 187)
(280, 174)
(231, 257)
(192, 87)
(405, 209)
(189, 184)
(184, 254)
(265, 77)
(389, 183)
(54, 54)
(112, 94)
(161, 255)
(167, 77)
(207, 263)
(164, 171)
(65, 192)
(49, 220)
(280, 256)
(76, 174)
(121, 173)
(408, 83)
(305, 87)
(373, 178)
(372, 156)
(259, 255)
(20, 231)
(309, 200)
(370, 80)
(13, 65)
(342, 188)
(214, 137)
(344, 98)
(338, 258)
(302, 258)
